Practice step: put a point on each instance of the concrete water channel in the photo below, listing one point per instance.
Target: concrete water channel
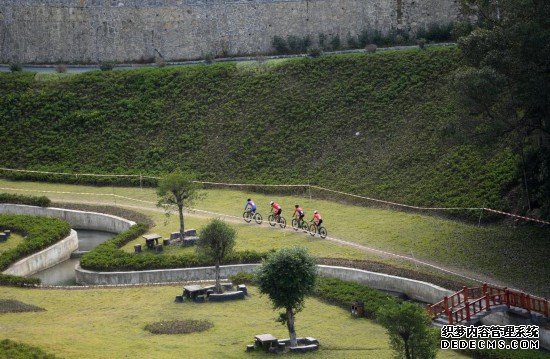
(64, 273)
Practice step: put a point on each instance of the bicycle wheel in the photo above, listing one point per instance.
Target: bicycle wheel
(258, 218)
(247, 216)
(271, 220)
(305, 226)
(313, 229)
(282, 222)
(295, 224)
(323, 232)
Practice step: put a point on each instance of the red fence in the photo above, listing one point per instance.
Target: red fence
(464, 304)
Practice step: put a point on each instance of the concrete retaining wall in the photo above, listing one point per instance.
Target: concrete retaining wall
(77, 219)
(417, 290)
(45, 258)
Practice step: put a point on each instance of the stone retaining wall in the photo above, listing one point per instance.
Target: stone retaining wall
(91, 31)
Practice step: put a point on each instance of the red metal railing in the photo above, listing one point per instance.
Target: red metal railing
(464, 304)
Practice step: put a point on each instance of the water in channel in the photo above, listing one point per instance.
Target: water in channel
(63, 273)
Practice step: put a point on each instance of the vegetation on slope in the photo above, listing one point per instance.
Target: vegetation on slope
(377, 124)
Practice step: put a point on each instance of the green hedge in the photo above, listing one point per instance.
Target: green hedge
(14, 350)
(22, 199)
(40, 233)
(506, 354)
(108, 257)
(16, 281)
(343, 293)
(382, 124)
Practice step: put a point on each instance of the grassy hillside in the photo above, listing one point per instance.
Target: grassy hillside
(378, 124)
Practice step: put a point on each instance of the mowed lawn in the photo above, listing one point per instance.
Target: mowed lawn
(515, 256)
(108, 323)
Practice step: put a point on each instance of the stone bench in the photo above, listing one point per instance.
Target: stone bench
(226, 296)
(305, 348)
(190, 241)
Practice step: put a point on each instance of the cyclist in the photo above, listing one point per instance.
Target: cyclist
(250, 205)
(298, 214)
(317, 218)
(276, 209)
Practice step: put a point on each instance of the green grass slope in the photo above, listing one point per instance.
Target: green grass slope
(377, 124)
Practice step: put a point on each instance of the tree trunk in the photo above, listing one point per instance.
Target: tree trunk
(182, 226)
(217, 271)
(407, 350)
(290, 326)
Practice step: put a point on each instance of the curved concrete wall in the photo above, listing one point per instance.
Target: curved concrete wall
(45, 258)
(77, 219)
(415, 289)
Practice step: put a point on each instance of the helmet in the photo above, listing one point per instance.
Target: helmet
(248, 200)
(296, 205)
(315, 212)
(271, 202)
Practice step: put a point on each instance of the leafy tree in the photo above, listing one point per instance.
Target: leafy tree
(408, 326)
(287, 276)
(505, 84)
(179, 189)
(217, 241)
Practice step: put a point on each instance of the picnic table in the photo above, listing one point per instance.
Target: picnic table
(192, 291)
(151, 240)
(265, 341)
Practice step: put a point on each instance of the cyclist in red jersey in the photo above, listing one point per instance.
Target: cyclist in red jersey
(276, 209)
(317, 218)
(298, 213)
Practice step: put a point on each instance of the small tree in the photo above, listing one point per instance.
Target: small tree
(287, 276)
(217, 241)
(409, 329)
(178, 189)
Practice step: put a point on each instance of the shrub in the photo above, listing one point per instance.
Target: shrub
(280, 45)
(314, 51)
(421, 43)
(11, 349)
(335, 43)
(61, 68)
(436, 32)
(106, 65)
(242, 278)
(15, 281)
(160, 62)
(353, 43)
(294, 44)
(41, 201)
(16, 67)
(179, 326)
(343, 293)
(460, 29)
(322, 39)
(209, 58)
(371, 48)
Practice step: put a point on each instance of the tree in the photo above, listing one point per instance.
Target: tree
(505, 84)
(287, 276)
(178, 188)
(408, 326)
(217, 241)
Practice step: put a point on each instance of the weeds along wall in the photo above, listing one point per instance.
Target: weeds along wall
(91, 31)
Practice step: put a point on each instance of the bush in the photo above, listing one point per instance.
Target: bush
(371, 48)
(41, 232)
(15, 350)
(209, 58)
(421, 43)
(15, 281)
(160, 62)
(16, 67)
(280, 45)
(343, 293)
(314, 51)
(106, 65)
(436, 32)
(41, 201)
(335, 43)
(242, 278)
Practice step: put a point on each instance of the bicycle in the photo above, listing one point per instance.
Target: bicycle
(248, 216)
(314, 229)
(302, 225)
(273, 221)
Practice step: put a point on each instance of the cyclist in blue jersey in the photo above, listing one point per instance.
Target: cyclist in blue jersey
(250, 205)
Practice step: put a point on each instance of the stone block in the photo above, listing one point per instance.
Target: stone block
(175, 235)
(7, 232)
(137, 248)
(242, 288)
(190, 233)
(159, 248)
